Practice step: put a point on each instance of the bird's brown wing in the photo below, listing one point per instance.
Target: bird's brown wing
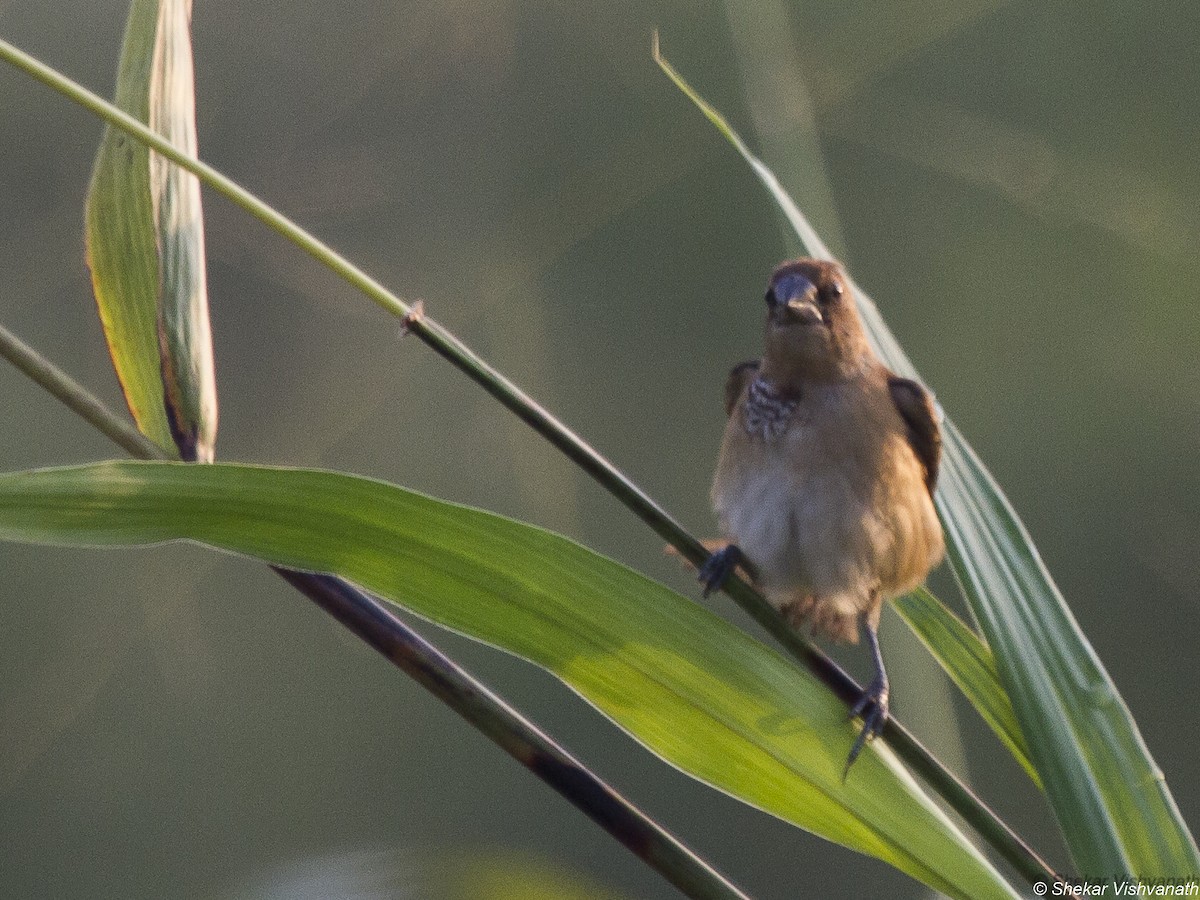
(916, 408)
(739, 376)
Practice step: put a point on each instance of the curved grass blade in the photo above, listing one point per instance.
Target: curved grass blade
(970, 664)
(145, 241)
(1110, 797)
(120, 241)
(693, 689)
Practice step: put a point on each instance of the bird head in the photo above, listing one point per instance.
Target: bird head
(813, 330)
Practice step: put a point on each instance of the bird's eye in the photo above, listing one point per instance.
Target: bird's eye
(770, 296)
(830, 293)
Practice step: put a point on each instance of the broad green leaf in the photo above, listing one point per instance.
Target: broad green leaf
(969, 663)
(1110, 798)
(145, 240)
(695, 690)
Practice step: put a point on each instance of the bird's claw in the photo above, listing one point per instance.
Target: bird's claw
(872, 706)
(718, 567)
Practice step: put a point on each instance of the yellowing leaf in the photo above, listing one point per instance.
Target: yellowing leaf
(144, 234)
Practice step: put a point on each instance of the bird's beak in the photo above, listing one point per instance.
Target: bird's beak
(805, 310)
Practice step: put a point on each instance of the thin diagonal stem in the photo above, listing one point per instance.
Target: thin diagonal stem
(78, 399)
(985, 821)
(377, 625)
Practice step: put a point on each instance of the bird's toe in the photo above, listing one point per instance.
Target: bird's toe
(872, 706)
(718, 567)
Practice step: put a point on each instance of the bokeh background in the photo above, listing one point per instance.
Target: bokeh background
(1016, 183)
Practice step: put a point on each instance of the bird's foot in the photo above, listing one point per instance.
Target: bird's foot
(719, 566)
(872, 706)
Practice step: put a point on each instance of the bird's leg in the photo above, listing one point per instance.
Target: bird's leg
(719, 566)
(873, 704)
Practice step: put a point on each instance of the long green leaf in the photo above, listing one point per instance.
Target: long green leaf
(1109, 796)
(120, 240)
(698, 692)
(970, 664)
(145, 240)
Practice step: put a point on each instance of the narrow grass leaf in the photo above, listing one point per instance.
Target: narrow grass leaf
(1112, 800)
(1110, 797)
(120, 240)
(695, 690)
(970, 664)
(145, 240)
(184, 332)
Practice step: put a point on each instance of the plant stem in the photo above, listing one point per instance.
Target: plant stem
(983, 819)
(374, 622)
(377, 625)
(77, 398)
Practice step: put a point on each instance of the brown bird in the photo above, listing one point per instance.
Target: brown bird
(825, 480)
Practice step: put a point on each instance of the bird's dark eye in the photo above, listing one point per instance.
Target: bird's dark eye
(830, 293)
(770, 297)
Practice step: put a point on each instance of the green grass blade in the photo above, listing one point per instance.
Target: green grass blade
(698, 692)
(970, 664)
(1109, 796)
(120, 241)
(144, 235)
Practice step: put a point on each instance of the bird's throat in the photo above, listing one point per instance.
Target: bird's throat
(767, 411)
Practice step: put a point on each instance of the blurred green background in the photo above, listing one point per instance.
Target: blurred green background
(1015, 183)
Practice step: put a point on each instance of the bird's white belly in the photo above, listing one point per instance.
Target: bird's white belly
(808, 529)
(805, 532)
